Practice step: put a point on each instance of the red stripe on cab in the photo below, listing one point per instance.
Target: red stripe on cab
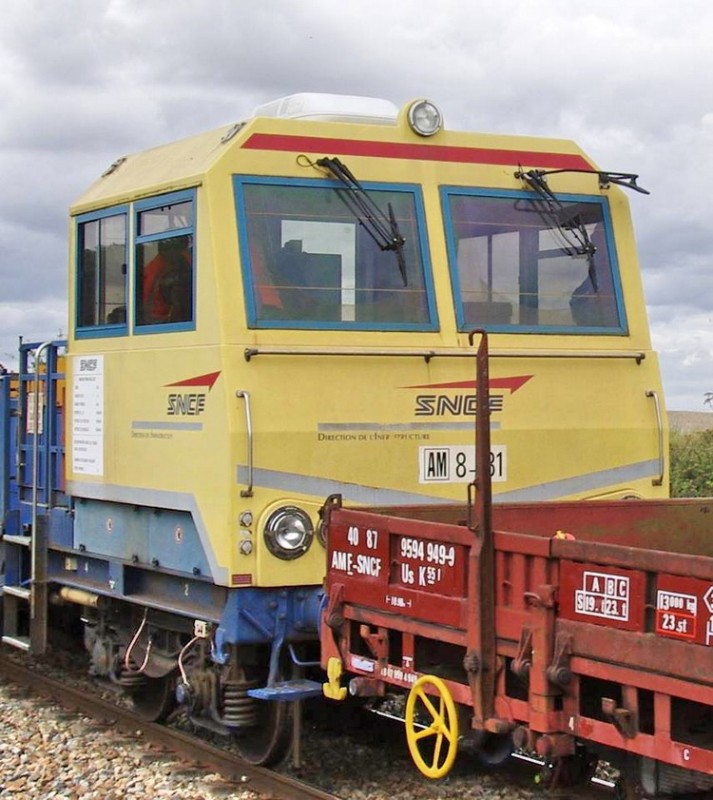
(420, 152)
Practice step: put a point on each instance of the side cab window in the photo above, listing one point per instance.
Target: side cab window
(147, 245)
(164, 263)
(102, 248)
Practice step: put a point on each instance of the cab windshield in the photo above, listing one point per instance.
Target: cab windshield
(517, 265)
(309, 262)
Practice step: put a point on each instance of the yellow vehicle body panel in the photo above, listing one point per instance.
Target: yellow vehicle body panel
(383, 417)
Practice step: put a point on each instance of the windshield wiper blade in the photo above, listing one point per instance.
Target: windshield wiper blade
(399, 249)
(382, 228)
(555, 214)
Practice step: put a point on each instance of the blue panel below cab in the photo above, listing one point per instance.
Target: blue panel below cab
(16, 562)
(259, 616)
(288, 691)
(189, 597)
(162, 538)
(174, 543)
(61, 527)
(111, 529)
(77, 569)
(116, 578)
(12, 524)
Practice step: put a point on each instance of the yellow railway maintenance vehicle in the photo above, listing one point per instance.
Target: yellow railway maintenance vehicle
(279, 310)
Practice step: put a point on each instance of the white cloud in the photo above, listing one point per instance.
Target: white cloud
(685, 346)
(85, 81)
(39, 321)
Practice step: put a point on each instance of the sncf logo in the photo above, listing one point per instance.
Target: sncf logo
(191, 402)
(458, 398)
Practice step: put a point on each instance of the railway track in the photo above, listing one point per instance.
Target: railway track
(193, 752)
(396, 777)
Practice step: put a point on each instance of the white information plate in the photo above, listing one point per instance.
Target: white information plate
(456, 464)
(88, 415)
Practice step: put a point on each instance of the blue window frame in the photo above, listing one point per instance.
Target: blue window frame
(164, 286)
(101, 270)
(309, 263)
(521, 265)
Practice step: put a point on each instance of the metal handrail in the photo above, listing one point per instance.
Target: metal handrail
(35, 469)
(249, 428)
(427, 354)
(659, 424)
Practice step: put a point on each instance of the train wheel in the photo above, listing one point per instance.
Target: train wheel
(431, 727)
(495, 749)
(634, 772)
(154, 698)
(268, 741)
(566, 771)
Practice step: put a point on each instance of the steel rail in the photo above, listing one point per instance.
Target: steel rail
(186, 747)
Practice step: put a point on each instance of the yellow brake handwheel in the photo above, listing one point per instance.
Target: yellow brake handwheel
(431, 721)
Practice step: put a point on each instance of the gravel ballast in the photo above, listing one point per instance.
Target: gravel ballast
(46, 753)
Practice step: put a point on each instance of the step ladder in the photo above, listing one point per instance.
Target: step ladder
(24, 593)
(24, 590)
(17, 596)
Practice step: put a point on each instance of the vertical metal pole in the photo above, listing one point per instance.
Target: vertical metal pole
(38, 574)
(481, 644)
(484, 485)
(297, 734)
(20, 413)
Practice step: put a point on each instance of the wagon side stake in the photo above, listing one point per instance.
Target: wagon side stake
(559, 672)
(622, 719)
(523, 660)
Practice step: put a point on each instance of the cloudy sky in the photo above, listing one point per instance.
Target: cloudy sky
(85, 81)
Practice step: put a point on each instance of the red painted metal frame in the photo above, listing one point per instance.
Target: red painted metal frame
(529, 584)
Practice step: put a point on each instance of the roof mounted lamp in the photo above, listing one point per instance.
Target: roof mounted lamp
(425, 118)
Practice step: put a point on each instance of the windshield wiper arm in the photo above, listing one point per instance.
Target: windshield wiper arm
(382, 227)
(554, 213)
(625, 179)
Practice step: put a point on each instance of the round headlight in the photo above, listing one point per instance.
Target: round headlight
(425, 118)
(288, 532)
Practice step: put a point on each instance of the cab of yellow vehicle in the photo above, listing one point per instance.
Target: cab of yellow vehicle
(322, 266)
